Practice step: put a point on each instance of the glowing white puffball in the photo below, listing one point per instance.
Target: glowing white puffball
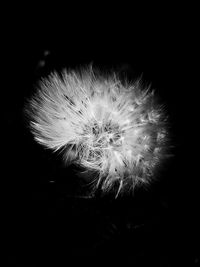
(108, 126)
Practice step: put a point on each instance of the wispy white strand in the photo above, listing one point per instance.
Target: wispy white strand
(107, 126)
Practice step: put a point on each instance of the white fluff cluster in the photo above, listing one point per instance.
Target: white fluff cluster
(106, 125)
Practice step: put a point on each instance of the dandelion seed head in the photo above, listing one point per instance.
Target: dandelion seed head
(113, 128)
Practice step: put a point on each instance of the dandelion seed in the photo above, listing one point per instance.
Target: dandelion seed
(111, 128)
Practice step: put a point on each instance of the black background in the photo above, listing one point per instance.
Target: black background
(46, 220)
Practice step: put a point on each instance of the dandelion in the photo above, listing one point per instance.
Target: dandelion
(110, 127)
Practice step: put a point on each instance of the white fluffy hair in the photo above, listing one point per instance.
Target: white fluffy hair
(108, 126)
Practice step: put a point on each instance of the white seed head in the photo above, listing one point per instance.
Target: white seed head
(112, 128)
